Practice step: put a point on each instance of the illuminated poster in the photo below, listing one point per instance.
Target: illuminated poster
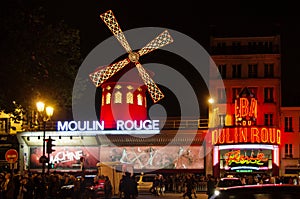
(67, 157)
(246, 159)
(155, 157)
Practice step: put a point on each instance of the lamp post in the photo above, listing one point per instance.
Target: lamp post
(45, 115)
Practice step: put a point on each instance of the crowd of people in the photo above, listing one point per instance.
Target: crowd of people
(35, 186)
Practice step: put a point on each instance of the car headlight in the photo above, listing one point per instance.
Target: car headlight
(217, 192)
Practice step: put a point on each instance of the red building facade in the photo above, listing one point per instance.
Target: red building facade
(244, 120)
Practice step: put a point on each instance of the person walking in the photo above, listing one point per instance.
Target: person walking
(210, 186)
(8, 187)
(107, 188)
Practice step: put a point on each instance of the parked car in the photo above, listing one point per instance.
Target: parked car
(229, 182)
(263, 191)
(97, 189)
(145, 182)
(94, 187)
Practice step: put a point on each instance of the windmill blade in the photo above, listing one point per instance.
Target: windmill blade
(100, 76)
(111, 22)
(153, 90)
(161, 40)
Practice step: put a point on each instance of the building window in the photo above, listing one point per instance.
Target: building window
(129, 98)
(253, 90)
(288, 151)
(252, 70)
(236, 70)
(222, 70)
(222, 119)
(288, 124)
(235, 93)
(268, 95)
(269, 70)
(118, 97)
(268, 120)
(140, 99)
(221, 95)
(107, 98)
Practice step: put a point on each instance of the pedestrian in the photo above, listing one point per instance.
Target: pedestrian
(107, 188)
(129, 186)
(8, 187)
(210, 186)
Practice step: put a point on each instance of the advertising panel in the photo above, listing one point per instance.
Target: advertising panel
(67, 157)
(156, 157)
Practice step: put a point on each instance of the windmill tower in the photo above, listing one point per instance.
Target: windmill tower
(126, 100)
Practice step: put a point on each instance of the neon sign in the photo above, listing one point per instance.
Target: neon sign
(240, 135)
(245, 111)
(99, 125)
(237, 158)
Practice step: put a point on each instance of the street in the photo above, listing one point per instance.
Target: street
(170, 196)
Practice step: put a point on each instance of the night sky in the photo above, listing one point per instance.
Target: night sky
(222, 18)
(197, 19)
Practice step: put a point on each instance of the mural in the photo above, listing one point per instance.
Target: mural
(155, 157)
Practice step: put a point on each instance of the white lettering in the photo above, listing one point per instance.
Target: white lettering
(62, 127)
(80, 126)
(99, 125)
(120, 125)
(66, 156)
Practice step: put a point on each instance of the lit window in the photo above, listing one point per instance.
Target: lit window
(108, 97)
(129, 98)
(140, 99)
(118, 97)
(102, 101)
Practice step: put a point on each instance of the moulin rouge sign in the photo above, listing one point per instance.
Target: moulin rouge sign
(245, 131)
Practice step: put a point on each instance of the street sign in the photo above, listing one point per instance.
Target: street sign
(11, 156)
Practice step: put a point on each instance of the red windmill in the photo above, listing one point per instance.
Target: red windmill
(135, 96)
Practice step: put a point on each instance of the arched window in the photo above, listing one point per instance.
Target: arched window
(139, 99)
(108, 97)
(129, 98)
(118, 97)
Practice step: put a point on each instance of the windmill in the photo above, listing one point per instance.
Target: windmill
(100, 76)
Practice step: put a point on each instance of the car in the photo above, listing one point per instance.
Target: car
(97, 188)
(94, 187)
(228, 182)
(262, 191)
(145, 182)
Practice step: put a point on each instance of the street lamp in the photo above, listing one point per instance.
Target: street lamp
(45, 115)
